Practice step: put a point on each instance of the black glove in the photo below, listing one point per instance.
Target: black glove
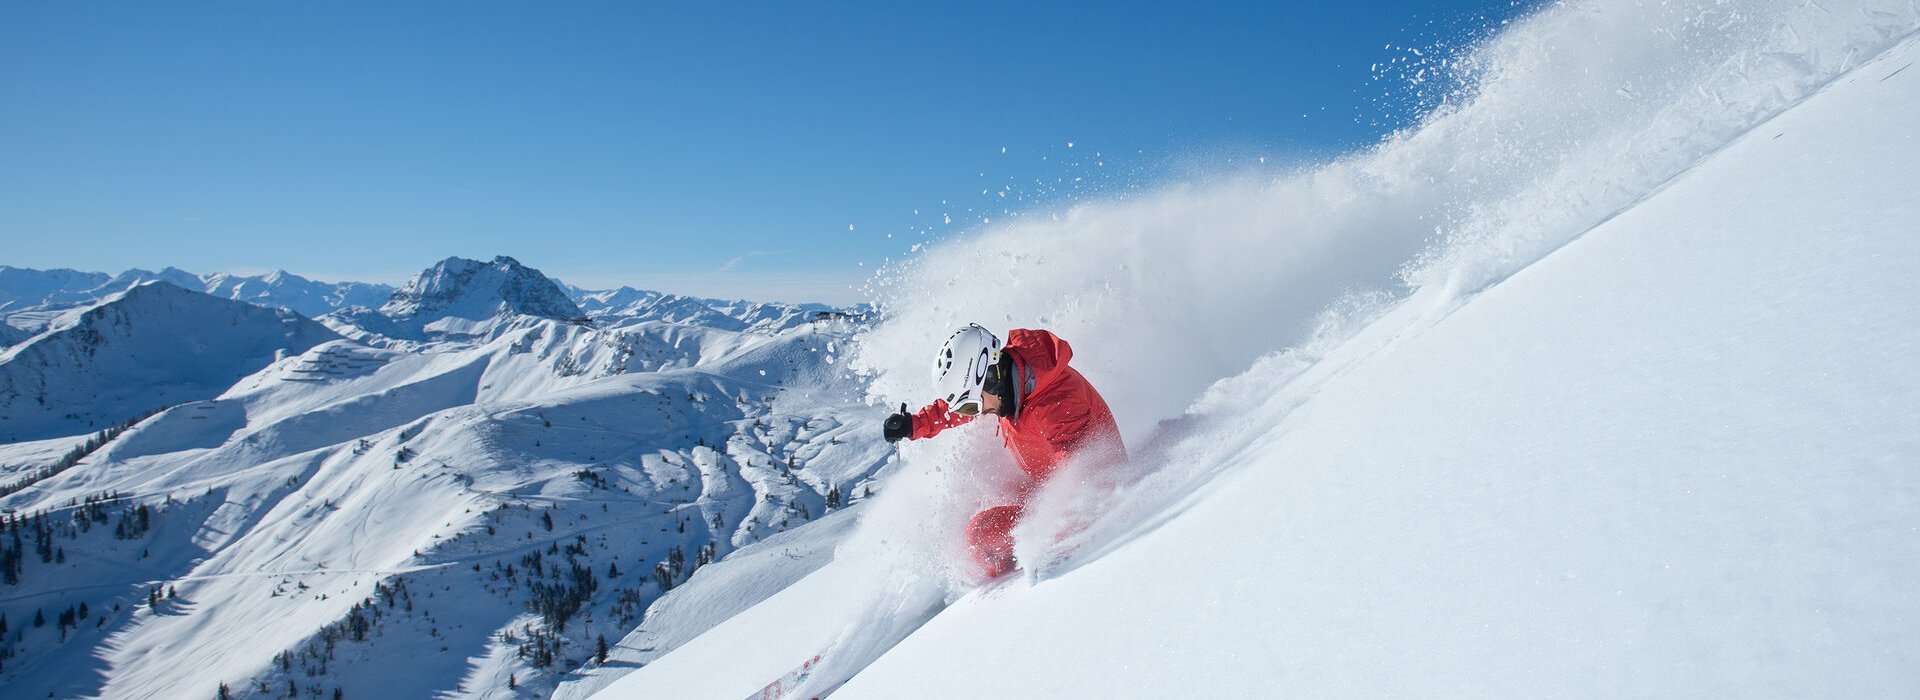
(898, 425)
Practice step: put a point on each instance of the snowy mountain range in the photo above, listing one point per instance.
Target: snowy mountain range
(312, 506)
(454, 293)
(673, 308)
(22, 289)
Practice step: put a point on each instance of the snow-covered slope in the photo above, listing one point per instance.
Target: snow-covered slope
(717, 593)
(1638, 423)
(143, 349)
(10, 335)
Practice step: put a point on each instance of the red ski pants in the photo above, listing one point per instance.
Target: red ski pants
(990, 538)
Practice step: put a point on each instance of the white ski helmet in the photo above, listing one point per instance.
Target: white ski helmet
(960, 369)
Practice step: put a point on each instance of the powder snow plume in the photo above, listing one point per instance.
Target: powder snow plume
(1556, 122)
(1207, 298)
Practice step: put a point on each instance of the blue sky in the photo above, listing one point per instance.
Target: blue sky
(765, 150)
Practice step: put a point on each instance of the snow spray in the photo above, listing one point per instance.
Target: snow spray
(1213, 296)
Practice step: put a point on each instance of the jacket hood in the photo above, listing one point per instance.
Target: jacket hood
(1043, 358)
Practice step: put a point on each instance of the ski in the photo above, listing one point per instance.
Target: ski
(777, 690)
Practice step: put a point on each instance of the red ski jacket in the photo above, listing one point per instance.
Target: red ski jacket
(1056, 412)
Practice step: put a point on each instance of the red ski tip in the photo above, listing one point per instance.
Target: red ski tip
(777, 690)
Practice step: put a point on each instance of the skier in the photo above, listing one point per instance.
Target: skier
(1048, 413)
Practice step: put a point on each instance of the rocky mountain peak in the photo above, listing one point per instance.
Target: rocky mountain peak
(472, 289)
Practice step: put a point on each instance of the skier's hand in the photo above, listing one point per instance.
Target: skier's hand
(898, 425)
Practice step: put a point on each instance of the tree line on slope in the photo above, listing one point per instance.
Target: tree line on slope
(73, 456)
(45, 531)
